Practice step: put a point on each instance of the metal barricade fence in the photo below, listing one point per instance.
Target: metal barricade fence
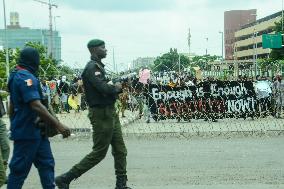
(146, 115)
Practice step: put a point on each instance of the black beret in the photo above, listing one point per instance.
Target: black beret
(95, 43)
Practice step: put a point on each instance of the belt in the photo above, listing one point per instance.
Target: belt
(102, 105)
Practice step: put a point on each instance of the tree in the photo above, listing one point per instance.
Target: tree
(48, 66)
(65, 70)
(202, 61)
(268, 64)
(277, 54)
(13, 54)
(170, 61)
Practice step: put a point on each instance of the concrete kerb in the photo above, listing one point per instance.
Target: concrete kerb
(225, 134)
(87, 131)
(132, 126)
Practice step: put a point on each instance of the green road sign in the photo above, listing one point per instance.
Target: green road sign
(272, 41)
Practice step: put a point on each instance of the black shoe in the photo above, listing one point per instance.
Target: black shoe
(63, 181)
(121, 182)
(125, 187)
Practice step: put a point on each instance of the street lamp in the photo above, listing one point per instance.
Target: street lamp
(254, 48)
(222, 35)
(6, 42)
(206, 45)
(235, 60)
(255, 51)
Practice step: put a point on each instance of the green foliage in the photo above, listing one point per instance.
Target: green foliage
(267, 64)
(202, 61)
(65, 70)
(170, 61)
(277, 54)
(13, 54)
(48, 66)
(278, 26)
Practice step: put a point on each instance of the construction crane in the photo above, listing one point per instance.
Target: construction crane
(50, 44)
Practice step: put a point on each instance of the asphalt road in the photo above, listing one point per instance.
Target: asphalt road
(180, 163)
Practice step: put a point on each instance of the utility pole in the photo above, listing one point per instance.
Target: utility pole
(254, 48)
(282, 17)
(236, 65)
(113, 61)
(50, 45)
(189, 42)
(179, 65)
(255, 52)
(206, 45)
(6, 43)
(222, 44)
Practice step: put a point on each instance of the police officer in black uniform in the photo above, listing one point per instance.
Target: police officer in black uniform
(101, 96)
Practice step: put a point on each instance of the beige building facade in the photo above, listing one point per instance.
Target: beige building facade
(247, 50)
(248, 44)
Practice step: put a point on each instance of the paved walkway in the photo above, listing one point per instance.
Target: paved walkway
(132, 125)
(200, 126)
(80, 121)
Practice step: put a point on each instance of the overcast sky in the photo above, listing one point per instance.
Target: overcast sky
(135, 28)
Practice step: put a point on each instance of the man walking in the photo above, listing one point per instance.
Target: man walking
(101, 97)
(30, 146)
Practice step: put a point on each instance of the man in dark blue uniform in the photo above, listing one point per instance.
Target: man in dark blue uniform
(30, 146)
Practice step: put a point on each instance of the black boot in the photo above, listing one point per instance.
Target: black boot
(121, 182)
(63, 181)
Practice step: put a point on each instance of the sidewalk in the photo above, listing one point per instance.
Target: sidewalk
(79, 122)
(131, 125)
(207, 128)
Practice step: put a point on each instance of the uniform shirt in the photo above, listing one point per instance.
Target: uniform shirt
(98, 92)
(24, 87)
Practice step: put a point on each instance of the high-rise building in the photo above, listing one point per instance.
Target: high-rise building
(14, 20)
(233, 21)
(18, 36)
(249, 38)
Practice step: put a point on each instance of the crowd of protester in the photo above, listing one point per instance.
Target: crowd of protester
(268, 98)
(64, 94)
